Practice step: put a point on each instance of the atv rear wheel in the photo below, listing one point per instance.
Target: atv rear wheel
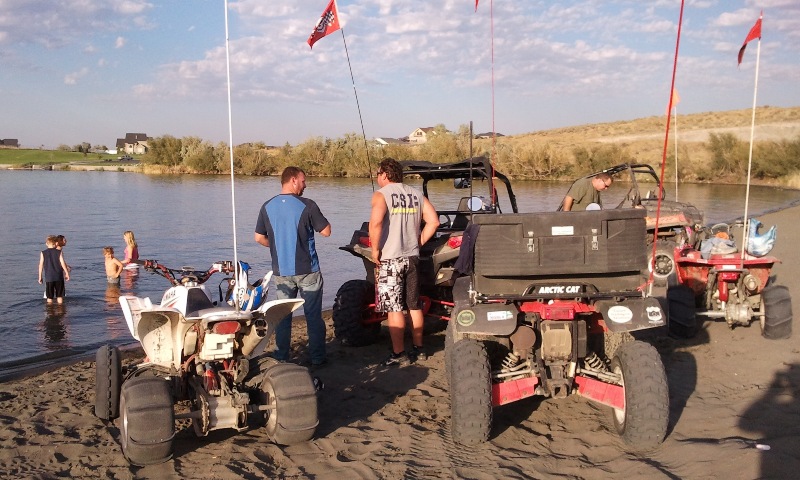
(470, 393)
(642, 424)
(665, 261)
(107, 382)
(350, 310)
(147, 420)
(289, 391)
(777, 308)
(681, 311)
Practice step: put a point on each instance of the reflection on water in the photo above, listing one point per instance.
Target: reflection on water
(55, 330)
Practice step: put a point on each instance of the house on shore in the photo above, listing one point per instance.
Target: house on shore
(133, 143)
(9, 143)
(383, 141)
(421, 135)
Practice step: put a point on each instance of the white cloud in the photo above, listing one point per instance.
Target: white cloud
(119, 42)
(72, 78)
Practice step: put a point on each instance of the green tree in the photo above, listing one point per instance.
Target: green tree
(165, 151)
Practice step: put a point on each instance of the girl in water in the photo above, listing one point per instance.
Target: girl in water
(131, 249)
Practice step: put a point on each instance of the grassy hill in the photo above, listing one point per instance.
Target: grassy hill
(643, 139)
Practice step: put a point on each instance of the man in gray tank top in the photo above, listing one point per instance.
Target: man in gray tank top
(395, 234)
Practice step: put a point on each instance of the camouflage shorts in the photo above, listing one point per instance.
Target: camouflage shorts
(398, 285)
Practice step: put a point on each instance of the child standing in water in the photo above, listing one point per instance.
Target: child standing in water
(61, 242)
(131, 248)
(113, 266)
(53, 270)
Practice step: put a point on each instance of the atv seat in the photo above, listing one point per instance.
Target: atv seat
(196, 300)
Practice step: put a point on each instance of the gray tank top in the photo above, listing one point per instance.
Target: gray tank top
(401, 225)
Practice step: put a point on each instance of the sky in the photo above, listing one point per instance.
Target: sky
(76, 71)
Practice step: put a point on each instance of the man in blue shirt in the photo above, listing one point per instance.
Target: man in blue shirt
(286, 225)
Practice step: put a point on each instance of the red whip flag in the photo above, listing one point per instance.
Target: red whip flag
(476, 5)
(755, 32)
(328, 23)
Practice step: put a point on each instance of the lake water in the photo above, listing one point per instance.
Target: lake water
(187, 220)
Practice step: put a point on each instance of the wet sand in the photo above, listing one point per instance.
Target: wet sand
(733, 394)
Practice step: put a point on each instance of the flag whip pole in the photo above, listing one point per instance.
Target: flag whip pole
(666, 144)
(750, 155)
(358, 106)
(230, 144)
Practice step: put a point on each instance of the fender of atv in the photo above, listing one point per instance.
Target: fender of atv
(631, 314)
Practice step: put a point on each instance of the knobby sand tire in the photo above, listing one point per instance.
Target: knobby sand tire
(642, 424)
(349, 309)
(470, 393)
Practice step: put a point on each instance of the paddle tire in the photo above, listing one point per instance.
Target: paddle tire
(351, 310)
(289, 392)
(470, 393)
(777, 305)
(681, 311)
(664, 265)
(642, 424)
(107, 383)
(147, 420)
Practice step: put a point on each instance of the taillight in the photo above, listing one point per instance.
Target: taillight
(364, 241)
(225, 328)
(454, 242)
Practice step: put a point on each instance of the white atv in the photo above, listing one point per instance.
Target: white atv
(203, 362)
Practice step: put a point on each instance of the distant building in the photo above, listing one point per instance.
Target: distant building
(383, 141)
(421, 135)
(9, 142)
(133, 143)
(488, 135)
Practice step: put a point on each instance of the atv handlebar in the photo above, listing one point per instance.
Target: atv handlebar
(179, 276)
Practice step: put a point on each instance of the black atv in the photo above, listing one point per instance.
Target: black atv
(547, 310)
(355, 321)
(678, 222)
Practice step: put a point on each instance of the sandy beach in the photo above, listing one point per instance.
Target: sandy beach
(734, 413)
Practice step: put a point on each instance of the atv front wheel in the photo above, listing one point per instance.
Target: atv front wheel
(289, 392)
(642, 424)
(107, 382)
(665, 261)
(777, 306)
(351, 310)
(470, 392)
(147, 423)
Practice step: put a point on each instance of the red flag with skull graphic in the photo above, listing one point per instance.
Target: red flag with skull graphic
(328, 23)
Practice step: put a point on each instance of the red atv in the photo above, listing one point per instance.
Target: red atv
(727, 285)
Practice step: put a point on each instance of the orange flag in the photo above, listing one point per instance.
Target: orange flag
(676, 99)
(328, 23)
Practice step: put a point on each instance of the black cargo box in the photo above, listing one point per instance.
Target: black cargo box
(604, 248)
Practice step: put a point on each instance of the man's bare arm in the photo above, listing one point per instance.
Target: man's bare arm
(431, 219)
(261, 239)
(376, 217)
